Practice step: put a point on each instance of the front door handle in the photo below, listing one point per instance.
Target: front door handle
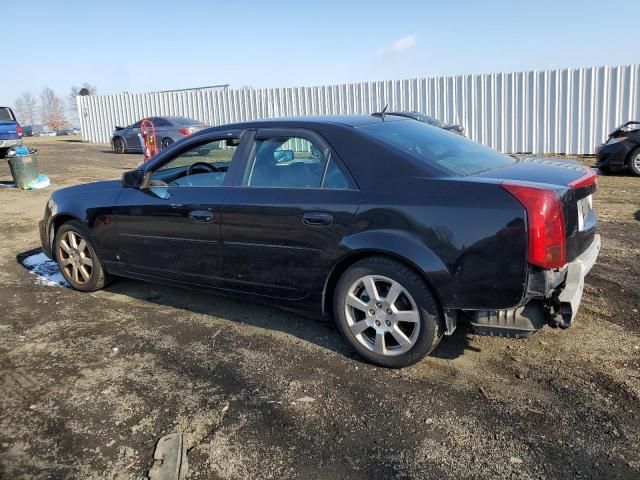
(201, 216)
(317, 219)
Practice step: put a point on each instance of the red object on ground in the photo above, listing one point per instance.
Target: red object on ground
(149, 141)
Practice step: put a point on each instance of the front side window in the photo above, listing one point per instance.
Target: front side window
(205, 165)
(292, 162)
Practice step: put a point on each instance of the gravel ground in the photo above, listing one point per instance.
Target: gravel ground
(266, 394)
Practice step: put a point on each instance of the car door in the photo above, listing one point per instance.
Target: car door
(291, 204)
(170, 228)
(162, 127)
(132, 138)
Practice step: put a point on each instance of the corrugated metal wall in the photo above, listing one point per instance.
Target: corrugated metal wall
(551, 111)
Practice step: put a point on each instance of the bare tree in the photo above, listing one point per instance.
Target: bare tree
(26, 106)
(52, 110)
(72, 104)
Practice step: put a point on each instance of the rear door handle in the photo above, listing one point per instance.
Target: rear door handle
(317, 219)
(201, 216)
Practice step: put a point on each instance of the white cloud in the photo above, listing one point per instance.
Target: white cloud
(401, 45)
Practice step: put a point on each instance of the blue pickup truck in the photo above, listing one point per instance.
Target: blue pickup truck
(10, 131)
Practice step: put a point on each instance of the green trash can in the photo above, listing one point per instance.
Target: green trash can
(24, 170)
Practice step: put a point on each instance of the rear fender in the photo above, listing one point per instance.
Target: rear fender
(406, 248)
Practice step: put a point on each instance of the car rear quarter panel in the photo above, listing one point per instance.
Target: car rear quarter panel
(468, 239)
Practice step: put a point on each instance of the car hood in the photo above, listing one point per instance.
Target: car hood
(88, 188)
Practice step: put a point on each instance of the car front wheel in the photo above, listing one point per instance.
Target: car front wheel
(77, 258)
(387, 312)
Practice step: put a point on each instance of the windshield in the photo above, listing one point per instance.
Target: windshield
(445, 150)
(430, 120)
(5, 114)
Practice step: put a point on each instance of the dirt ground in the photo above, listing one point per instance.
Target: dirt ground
(268, 394)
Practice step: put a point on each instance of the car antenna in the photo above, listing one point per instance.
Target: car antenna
(384, 110)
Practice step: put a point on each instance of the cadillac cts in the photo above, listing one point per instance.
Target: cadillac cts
(396, 229)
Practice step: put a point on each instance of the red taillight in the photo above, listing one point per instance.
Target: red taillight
(586, 180)
(186, 131)
(19, 130)
(545, 222)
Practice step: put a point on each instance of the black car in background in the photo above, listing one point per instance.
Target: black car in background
(422, 117)
(621, 150)
(396, 229)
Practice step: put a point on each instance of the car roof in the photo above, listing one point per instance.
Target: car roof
(310, 121)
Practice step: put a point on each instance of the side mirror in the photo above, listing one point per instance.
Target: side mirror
(132, 178)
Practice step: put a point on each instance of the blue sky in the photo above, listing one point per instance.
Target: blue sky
(170, 44)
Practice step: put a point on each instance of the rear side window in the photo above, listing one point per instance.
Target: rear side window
(286, 162)
(438, 148)
(5, 114)
(160, 122)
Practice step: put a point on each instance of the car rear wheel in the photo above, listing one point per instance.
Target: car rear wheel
(166, 142)
(634, 162)
(77, 258)
(119, 145)
(387, 312)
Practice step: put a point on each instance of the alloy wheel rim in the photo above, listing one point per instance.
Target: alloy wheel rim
(382, 315)
(166, 143)
(119, 146)
(75, 257)
(636, 161)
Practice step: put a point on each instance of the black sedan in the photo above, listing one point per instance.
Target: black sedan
(621, 151)
(394, 228)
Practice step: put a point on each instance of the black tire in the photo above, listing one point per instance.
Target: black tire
(430, 317)
(166, 142)
(98, 278)
(633, 164)
(3, 152)
(119, 146)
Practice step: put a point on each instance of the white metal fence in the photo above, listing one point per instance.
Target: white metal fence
(551, 111)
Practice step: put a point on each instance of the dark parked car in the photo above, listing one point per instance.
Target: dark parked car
(422, 117)
(10, 131)
(168, 130)
(395, 228)
(32, 130)
(621, 150)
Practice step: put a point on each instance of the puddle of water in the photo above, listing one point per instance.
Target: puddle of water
(46, 269)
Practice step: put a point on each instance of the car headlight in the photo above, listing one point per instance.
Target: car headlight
(611, 141)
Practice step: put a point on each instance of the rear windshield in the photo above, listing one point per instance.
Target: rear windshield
(185, 122)
(447, 151)
(5, 114)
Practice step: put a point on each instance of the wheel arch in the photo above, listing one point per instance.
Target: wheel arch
(635, 149)
(355, 256)
(56, 222)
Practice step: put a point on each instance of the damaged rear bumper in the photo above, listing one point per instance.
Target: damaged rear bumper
(571, 295)
(558, 307)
